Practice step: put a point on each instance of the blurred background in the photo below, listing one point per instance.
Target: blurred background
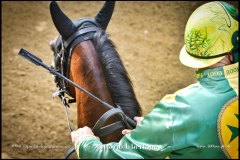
(148, 37)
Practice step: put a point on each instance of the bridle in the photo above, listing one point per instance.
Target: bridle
(62, 56)
(63, 52)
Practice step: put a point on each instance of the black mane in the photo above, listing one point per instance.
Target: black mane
(117, 79)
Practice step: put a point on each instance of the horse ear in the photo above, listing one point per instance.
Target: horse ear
(104, 15)
(62, 23)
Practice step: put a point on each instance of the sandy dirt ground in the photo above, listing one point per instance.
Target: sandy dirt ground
(148, 37)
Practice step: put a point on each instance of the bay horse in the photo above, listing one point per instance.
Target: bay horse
(84, 53)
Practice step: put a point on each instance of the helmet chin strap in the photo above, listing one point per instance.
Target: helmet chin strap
(235, 55)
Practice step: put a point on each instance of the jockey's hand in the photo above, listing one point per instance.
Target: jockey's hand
(81, 133)
(138, 120)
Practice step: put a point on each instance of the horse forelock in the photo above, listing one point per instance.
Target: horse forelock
(117, 78)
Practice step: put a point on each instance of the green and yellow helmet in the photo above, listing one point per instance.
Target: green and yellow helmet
(210, 34)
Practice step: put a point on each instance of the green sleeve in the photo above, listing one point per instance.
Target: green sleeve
(153, 138)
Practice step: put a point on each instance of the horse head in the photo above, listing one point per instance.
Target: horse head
(84, 53)
(67, 27)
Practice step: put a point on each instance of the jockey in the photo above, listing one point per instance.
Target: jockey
(199, 121)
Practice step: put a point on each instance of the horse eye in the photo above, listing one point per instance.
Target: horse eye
(52, 45)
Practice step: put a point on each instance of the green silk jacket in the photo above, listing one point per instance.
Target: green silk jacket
(181, 125)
